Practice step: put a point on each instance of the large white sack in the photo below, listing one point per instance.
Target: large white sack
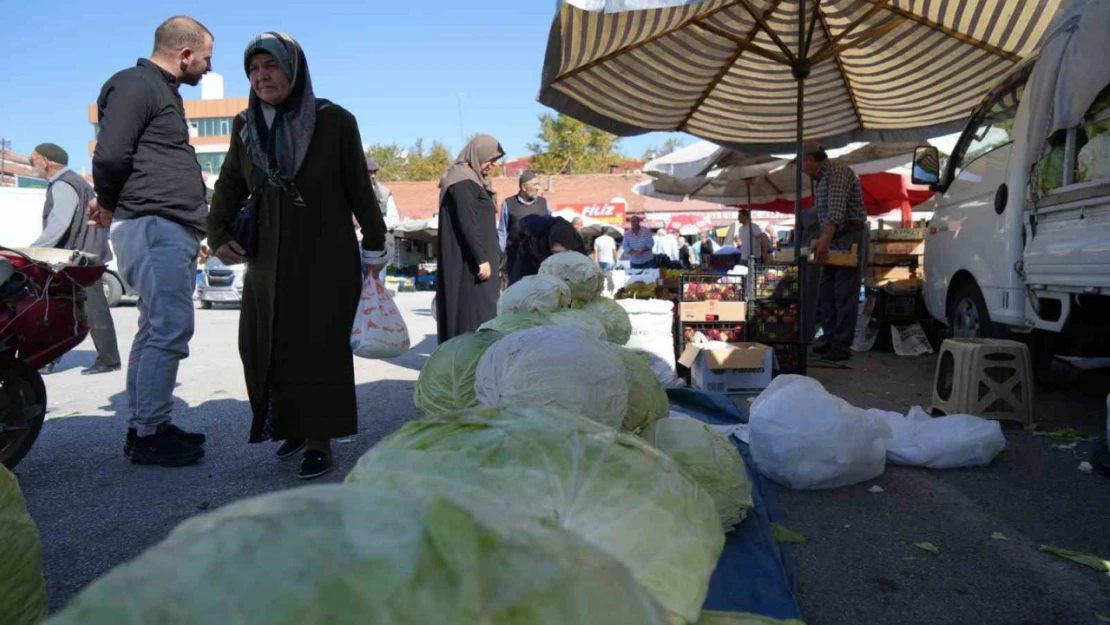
(652, 327)
(944, 442)
(780, 383)
(804, 438)
(555, 366)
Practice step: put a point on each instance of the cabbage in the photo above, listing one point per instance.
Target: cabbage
(338, 555)
(514, 322)
(22, 587)
(647, 399)
(446, 382)
(610, 488)
(585, 279)
(542, 294)
(1049, 172)
(554, 366)
(711, 617)
(617, 323)
(579, 320)
(710, 458)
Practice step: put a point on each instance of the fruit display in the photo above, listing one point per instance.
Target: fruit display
(775, 321)
(721, 290)
(776, 282)
(727, 333)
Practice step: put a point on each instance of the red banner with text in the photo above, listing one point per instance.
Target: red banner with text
(612, 212)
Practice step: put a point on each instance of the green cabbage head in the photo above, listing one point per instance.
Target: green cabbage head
(711, 459)
(647, 399)
(337, 555)
(446, 382)
(621, 494)
(711, 617)
(514, 322)
(579, 320)
(615, 319)
(585, 279)
(22, 587)
(532, 294)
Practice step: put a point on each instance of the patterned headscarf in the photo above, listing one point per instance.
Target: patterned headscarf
(468, 165)
(280, 148)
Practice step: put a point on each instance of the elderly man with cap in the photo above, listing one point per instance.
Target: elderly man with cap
(838, 198)
(526, 202)
(65, 226)
(384, 195)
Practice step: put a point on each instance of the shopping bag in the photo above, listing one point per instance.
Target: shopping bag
(379, 330)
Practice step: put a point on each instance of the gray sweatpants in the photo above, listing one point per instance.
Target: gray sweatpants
(838, 291)
(101, 328)
(158, 258)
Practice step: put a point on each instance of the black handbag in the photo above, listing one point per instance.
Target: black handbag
(244, 228)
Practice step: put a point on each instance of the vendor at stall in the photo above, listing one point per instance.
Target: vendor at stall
(638, 245)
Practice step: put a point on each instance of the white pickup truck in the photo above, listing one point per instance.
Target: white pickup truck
(1019, 245)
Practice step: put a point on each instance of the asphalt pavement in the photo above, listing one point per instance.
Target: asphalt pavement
(95, 510)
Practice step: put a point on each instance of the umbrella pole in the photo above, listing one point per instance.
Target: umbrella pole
(801, 69)
(751, 246)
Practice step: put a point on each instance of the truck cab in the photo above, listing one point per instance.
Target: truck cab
(1019, 244)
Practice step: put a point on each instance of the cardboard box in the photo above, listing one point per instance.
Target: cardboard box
(878, 283)
(913, 248)
(899, 234)
(740, 368)
(839, 258)
(896, 260)
(713, 310)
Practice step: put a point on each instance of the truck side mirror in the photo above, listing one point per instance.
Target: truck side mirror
(926, 166)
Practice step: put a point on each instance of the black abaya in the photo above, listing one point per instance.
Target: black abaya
(467, 238)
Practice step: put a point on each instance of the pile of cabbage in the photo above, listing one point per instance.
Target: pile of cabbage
(545, 485)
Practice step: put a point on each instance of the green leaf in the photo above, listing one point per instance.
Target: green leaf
(784, 535)
(1085, 559)
(930, 547)
(713, 617)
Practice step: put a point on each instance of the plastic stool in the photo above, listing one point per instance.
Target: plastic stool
(990, 378)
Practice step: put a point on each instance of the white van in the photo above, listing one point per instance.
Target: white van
(1019, 245)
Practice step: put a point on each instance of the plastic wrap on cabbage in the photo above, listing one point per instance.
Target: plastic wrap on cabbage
(515, 322)
(22, 587)
(1093, 161)
(336, 555)
(614, 318)
(579, 320)
(611, 488)
(535, 294)
(446, 382)
(647, 399)
(555, 366)
(710, 458)
(1049, 171)
(585, 279)
(712, 617)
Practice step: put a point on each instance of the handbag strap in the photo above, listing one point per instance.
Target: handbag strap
(259, 180)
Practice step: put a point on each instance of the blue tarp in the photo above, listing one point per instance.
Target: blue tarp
(755, 573)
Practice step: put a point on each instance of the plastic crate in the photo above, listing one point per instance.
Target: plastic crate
(900, 307)
(701, 287)
(774, 320)
(775, 282)
(790, 356)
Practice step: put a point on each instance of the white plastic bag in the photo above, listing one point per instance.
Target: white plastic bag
(780, 383)
(379, 330)
(944, 442)
(805, 438)
(652, 327)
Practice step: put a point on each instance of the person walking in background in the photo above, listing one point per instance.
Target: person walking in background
(528, 201)
(704, 249)
(577, 223)
(838, 199)
(606, 255)
(303, 158)
(384, 195)
(147, 178)
(685, 253)
(752, 240)
(466, 294)
(65, 225)
(638, 245)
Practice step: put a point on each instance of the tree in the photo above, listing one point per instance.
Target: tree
(414, 163)
(672, 144)
(566, 145)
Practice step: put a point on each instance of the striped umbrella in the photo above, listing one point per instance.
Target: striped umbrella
(762, 75)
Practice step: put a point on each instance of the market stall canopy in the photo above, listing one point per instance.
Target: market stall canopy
(724, 70)
(426, 230)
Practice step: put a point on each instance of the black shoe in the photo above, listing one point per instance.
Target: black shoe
(188, 437)
(821, 346)
(315, 464)
(48, 369)
(290, 448)
(165, 448)
(838, 354)
(98, 369)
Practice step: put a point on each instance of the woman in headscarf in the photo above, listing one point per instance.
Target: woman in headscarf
(540, 237)
(469, 253)
(302, 159)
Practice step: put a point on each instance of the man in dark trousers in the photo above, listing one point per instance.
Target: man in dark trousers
(526, 202)
(838, 198)
(148, 180)
(65, 225)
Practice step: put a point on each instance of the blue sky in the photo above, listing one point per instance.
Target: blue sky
(400, 67)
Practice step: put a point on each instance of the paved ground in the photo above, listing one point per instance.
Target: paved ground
(95, 510)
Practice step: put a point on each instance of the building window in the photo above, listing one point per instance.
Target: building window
(211, 162)
(212, 127)
(96, 131)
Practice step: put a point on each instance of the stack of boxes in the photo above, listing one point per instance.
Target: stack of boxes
(896, 255)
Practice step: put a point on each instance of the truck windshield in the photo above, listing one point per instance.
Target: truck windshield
(992, 125)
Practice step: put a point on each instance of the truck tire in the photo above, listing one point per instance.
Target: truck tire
(967, 313)
(113, 289)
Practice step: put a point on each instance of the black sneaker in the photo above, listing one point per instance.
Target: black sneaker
(838, 354)
(290, 448)
(188, 437)
(315, 464)
(821, 346)
(165, 448)
(49, 368)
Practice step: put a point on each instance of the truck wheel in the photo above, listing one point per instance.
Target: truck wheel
(113, 289)
(967, 314)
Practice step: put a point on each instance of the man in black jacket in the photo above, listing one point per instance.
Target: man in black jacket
(147, 179)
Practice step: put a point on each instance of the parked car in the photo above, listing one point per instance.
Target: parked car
(220, 283)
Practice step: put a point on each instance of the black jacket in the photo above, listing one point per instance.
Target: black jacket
(537, 235)
(143, 163)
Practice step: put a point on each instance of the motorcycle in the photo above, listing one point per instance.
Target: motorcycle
(42, 316)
